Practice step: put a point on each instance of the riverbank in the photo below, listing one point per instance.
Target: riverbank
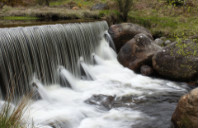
(161, 18)
(43, 15)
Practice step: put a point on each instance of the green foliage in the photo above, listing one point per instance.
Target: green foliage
(176, 2)
(124, 7)
(165, 20)
(103, 13)
(185, 48)
(43, 2)
(10, 2)
(20, 18)
(10, 116)
(79, 3)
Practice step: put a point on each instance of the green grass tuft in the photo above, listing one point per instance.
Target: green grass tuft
(19, 18)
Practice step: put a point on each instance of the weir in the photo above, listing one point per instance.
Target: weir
(38, 51)
(78, 81)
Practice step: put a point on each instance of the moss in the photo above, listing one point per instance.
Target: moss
(186, 49)
(185, 122)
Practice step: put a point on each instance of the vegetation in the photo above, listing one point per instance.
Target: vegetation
(19, 18)
(10, 116)
(186, 47)
(124, 8)
(162, 17)
(43, 2)
(176, 2)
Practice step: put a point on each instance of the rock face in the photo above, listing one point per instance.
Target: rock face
(121, 33)
(138, 51)
(178, 61)
(186, 113)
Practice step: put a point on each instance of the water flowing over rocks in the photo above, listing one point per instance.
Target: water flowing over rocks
(177, 61)
(78, 81)
(121, 33)
(186, 113)
(138, 51)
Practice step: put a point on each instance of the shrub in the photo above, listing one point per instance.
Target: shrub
(124, 8)
(176, 2)
(10, 115)
(43, 2)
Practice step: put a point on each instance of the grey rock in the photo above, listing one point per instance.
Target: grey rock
(121, 33)
(137, 52)
(159, 41)
(167, 42)
(176, 62)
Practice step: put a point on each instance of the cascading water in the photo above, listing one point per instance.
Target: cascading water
(98, 92)
(39, 50)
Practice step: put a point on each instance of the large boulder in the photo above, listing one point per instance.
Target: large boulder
(178, 61)
(121, 33)
(137, 52)
(186, 113)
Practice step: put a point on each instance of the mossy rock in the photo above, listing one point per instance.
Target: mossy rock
(178, 61)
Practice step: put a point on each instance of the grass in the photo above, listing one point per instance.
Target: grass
(19, 18)
(161, 18)
(164, 19)
(166, 25)
(78, 3)
(11, 117)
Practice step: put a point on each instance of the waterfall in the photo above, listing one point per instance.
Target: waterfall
(26, 52)
(78, 81)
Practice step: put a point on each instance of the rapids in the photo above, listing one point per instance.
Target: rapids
(107, 95)
(138, 101)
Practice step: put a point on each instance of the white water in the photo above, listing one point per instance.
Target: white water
(63, 107)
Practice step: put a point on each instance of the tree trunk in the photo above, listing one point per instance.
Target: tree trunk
(47, 2)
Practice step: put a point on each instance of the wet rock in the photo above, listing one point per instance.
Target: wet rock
(146, 70)
(100, 6)
(36, 95)
(109, 102)
(177, 61)
(137, 52)
(186, 113)
(121, 33)
(59, 123)
(101, 100)
(159, 41)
